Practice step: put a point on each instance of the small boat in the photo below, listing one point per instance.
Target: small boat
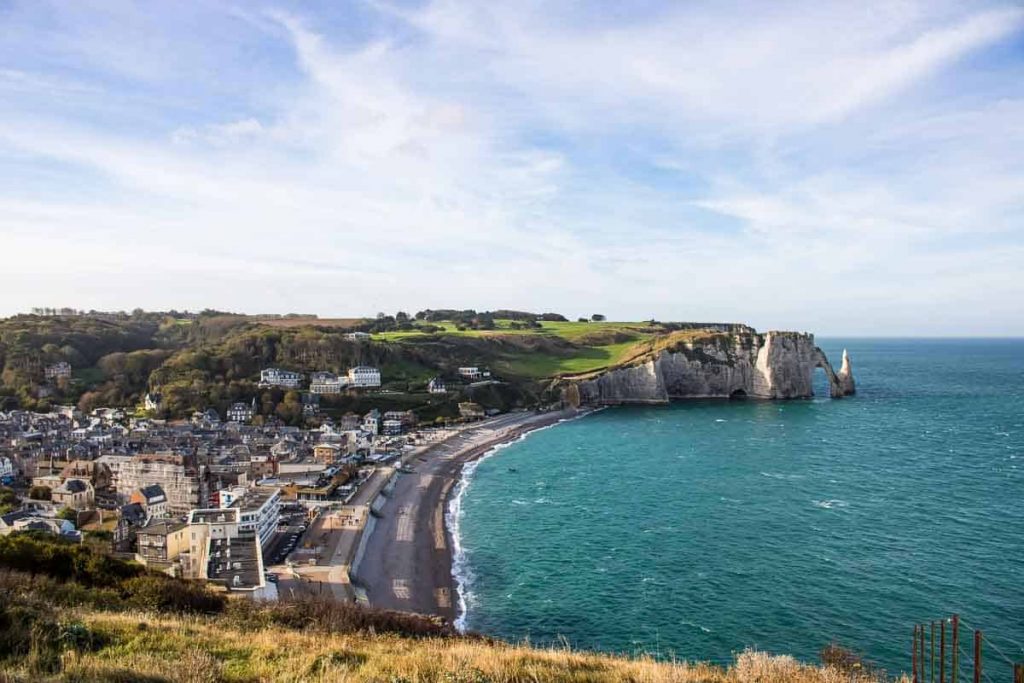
(512, 469)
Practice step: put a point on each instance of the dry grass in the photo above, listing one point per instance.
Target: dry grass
(143, 647)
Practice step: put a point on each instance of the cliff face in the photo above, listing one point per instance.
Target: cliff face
(775, 365)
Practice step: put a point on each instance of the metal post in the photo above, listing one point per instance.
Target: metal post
(932, 645)
(942, 651)
(977, 657)
(956, 649)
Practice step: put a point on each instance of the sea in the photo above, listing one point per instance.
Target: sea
(696, 530)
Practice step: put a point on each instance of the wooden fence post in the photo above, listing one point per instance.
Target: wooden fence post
(913, 656)
(1018, 673)
(932, 645)
(942, 651)
(977, 657)
(956, 649)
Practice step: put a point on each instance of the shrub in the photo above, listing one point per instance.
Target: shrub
(164, 594)
(333, 617)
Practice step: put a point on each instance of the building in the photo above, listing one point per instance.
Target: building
(160, 543)
(61, 370)
(153, 402)
(364, 376)
(327, 383)
(326, 453)
(261, 466)
(220, 551)
(397, 421)
(242, 412)
(32, 520)
(371, 422)
(436, 386)
(260, 508)
(275, 377)
(184, 483)
(77, 494)
(6, 470)
(152, 499)
(471, 411)
(349, 421)
(471, 373)
(130, 518)
(357, 336)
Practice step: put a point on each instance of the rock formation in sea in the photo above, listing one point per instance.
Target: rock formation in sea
(773, 365)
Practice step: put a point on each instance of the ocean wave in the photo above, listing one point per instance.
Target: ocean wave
(830, 504)
(780, 475)
(461, 571)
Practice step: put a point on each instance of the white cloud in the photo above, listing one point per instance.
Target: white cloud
(799, 165)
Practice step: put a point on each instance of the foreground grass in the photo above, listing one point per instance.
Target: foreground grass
(147, 647)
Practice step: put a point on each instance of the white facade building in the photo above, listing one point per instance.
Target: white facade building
(473, 373)
(58, 370)
(327, 383)
(276, 377)
(364, 376)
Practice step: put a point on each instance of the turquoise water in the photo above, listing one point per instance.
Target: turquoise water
(703, 528)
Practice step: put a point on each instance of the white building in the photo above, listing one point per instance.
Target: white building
(6, 468)
(275, 377)
(364, 376)
(436, 386)
(242, 412)
(357, 336)
(472, 373)
(327, 383)
(58, 370)
(260, 509)
(153, 401)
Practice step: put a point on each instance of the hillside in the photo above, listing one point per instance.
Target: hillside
(154, 648)
(196, 361)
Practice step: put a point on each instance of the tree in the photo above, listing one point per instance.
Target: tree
(68, 514)
(597, 317)
(402, 317)
(39, 493)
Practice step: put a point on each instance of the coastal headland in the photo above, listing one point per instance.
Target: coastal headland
(406, 559)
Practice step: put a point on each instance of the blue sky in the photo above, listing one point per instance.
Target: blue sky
(843, 168)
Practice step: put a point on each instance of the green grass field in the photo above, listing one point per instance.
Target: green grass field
(595, 345)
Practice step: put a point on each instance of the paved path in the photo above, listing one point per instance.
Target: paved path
(407, 564)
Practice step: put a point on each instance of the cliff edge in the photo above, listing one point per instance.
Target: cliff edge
(713, 364)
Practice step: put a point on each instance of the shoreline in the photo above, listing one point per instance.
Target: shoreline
(453, 506)
(409, 559)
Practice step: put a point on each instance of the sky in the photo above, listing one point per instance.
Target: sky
(846, 168)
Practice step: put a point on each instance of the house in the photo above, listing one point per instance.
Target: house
(6, 470)
(242, 412)
(397, 421)
(471, 411)
(61, 370)
(153, 402)
(436, 386)
(471, 373)
(208, 418)
(152, 499)
(130, 519)
(159, 543)
(357, 336)
(371, 422)
(31, 520)
(364, 376)
(349, 421)
(77, 494)
(327, 383)
(275, 377)
(326, 453)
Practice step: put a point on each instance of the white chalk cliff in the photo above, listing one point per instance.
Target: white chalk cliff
(773, 365)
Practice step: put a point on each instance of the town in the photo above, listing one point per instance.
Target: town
(254, 507)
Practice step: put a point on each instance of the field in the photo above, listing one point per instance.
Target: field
(588, 346)
(341, 323)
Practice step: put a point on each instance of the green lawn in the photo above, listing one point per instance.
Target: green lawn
(589, 359)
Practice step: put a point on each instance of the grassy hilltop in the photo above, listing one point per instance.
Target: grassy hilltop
(196, 361)
(70, 613)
